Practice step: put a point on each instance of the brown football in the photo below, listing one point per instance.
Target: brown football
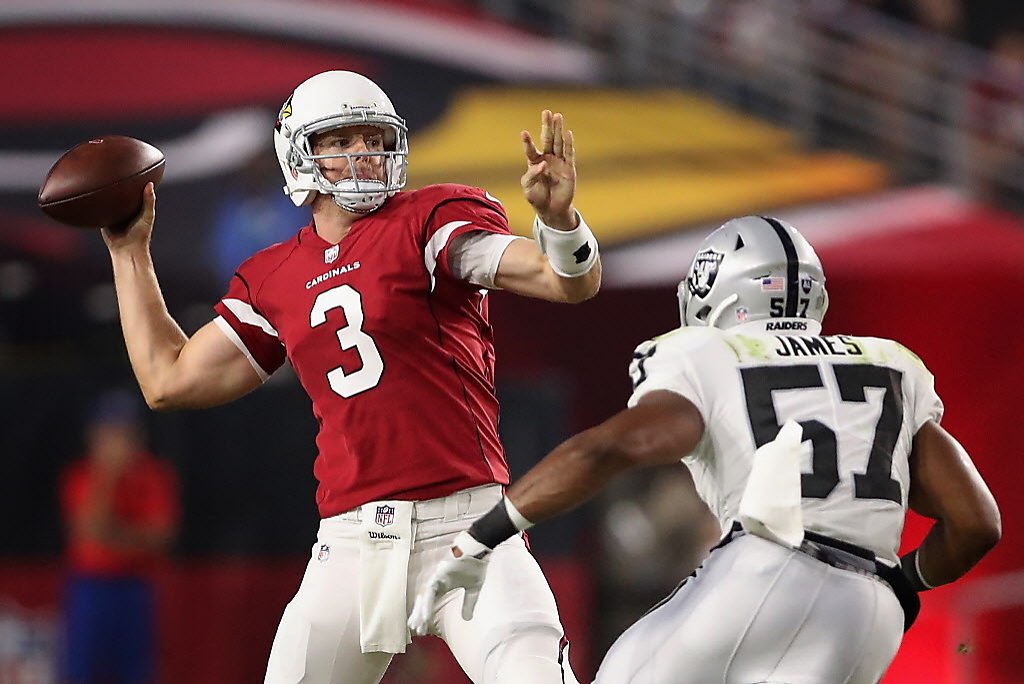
(99, 183)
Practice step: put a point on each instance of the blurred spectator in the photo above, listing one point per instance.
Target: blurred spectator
(944, 17)
(655, 530)
(890, 60)
(253, 213)
(120, 509)
(998, 121)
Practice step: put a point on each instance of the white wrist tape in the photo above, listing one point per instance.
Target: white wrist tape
(516, 517)
(571, 253)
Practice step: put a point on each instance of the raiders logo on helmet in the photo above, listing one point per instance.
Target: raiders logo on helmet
(704, 271)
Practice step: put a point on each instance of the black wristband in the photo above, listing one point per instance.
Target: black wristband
(908, 564)
(494, 527)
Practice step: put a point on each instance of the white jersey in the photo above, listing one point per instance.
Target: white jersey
(860, 401)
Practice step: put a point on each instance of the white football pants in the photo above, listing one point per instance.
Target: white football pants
(515, 634)
(759, 612)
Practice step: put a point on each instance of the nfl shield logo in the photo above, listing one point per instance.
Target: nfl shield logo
(385, 515)
(331, 254)
(324, 554)
(805, 285)
(704, 271)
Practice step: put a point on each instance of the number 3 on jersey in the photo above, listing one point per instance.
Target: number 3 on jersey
(348, 299)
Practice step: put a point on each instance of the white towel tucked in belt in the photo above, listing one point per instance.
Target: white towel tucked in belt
(385, 542)
(770, 506)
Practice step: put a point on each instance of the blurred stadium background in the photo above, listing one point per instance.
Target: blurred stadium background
(890, 131)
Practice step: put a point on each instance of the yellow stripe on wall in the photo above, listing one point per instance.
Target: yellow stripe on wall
(647, 161)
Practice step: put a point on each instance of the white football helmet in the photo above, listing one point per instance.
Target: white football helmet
(334, 99)
(753, 268)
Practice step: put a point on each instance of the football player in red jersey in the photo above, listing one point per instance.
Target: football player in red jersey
(380, 305)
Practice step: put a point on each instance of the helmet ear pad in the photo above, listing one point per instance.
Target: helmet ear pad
(752, 268)
(330, 100)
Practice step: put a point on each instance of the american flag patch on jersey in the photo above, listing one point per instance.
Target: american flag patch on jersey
(773, 284)
(385, 515)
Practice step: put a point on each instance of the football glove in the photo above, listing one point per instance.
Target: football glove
(465, 572)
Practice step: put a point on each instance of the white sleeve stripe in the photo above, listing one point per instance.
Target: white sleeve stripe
(246, 314)
(230, 333)
(436, 243)
(496, 255)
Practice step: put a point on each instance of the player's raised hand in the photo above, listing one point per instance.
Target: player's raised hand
(464, 571)
(139, 231)
(549, 183)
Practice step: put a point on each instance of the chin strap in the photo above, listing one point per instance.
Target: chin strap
(359, 206)
(370, 196)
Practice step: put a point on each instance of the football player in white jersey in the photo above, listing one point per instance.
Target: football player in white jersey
(808, 449)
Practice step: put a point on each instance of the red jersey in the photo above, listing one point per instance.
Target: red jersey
(396, 353)
(146, 495)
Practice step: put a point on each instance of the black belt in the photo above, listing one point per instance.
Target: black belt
(846, 556)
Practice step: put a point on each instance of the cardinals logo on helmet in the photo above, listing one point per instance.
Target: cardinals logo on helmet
(286, 111)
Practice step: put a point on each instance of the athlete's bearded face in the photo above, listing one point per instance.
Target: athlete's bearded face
(352, 140)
